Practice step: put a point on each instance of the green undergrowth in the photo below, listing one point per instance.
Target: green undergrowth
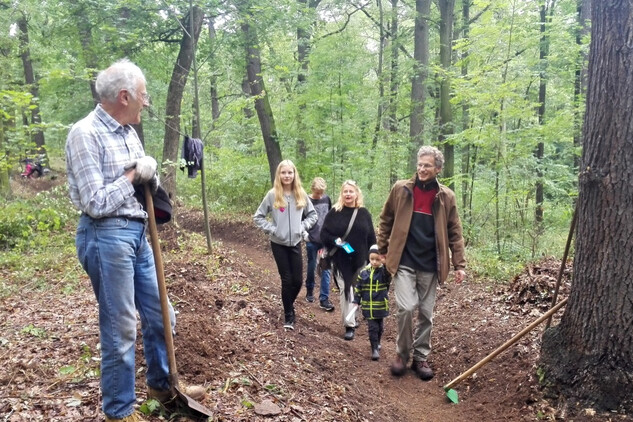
(37, 242)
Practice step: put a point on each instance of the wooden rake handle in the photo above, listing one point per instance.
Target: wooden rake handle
(505, 345)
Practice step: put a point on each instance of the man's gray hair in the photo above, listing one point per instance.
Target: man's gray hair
(436, 153)
(122, 74)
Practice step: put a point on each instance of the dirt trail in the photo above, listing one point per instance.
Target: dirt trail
(230, 339)
(471, 320)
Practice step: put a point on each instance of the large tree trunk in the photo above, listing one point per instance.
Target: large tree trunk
(37, 136)
(447, 7)
(589, 356)
(418, 82)
(174, 100)
(262, 105)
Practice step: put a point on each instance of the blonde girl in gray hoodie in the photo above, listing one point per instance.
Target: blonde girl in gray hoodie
(291, 216)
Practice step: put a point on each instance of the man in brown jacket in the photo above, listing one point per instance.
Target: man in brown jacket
(419, 224)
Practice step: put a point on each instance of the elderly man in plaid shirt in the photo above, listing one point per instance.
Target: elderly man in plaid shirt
(105, 160)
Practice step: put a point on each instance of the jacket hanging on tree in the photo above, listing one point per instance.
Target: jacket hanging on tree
(192, 154)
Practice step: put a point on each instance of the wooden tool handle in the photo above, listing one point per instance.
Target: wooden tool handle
(505, 345)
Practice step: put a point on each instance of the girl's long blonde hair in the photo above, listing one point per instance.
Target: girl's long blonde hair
(297, 189)
(359, 196)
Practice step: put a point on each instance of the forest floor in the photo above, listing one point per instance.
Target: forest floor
(230, 339)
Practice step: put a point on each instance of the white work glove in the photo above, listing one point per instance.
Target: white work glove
(145, 169)
(306, 236)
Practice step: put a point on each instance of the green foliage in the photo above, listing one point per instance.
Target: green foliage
(34, 331)
(26, 224)
(150, 406)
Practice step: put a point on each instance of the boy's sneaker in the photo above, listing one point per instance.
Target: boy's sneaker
(327, 305)
(289, 325)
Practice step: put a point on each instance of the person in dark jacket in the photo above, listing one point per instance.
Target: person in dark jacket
(322, 204)
(419, 224)
(371, 293)
(351, 253)
(292, 215)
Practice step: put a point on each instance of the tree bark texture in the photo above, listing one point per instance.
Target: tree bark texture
(418, 82)
(174, 99)
(589, 356)
(262, 104)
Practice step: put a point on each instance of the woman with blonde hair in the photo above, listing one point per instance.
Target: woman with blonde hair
(351, 250)
(291, 216)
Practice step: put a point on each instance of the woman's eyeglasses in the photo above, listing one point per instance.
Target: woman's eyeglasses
(349, 182)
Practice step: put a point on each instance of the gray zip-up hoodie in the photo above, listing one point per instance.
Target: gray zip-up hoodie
(288, 223)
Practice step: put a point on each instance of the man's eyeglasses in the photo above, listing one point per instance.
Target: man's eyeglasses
(146, 98)
(426, 166)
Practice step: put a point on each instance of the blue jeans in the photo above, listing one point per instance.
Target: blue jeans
(311, 251)
(119, 261)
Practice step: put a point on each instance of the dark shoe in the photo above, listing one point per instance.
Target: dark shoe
(349, 333)
(310, 295)
(290, 320)
(375, 354)
(327, 305)
(398, 367)
(422, 369)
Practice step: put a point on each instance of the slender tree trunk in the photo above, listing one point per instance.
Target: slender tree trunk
(304, 40)
(380, 114)
(580, 77)
(542, 96)
(37, 136)
(262, 104)
(174, 99)
(447, 8)
(465, 151)
(393, 77)
(5, 185)
(588, 357)
(420, 74)
(85, 38)
(213, 80)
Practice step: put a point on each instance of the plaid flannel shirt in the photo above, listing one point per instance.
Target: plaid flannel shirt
(97, 148)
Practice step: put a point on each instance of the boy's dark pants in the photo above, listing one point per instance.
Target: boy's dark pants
(375, 328)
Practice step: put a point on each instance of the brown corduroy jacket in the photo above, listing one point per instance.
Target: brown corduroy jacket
(395, 220)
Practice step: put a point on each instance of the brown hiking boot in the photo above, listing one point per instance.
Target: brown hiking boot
(196, 392)
(134, 417)
(422, 369)
(398, 367)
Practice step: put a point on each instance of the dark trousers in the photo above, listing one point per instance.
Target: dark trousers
(290, 267)
(375, 328)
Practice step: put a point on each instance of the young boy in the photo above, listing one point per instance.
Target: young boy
(322, 204)
(371, 291)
